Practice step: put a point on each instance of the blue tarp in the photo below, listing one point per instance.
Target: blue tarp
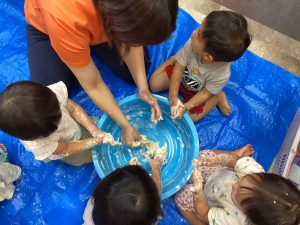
(263, 97)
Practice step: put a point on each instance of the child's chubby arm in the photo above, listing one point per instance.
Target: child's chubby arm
(156, 165)
(77, 146)
(78, 114)
(199, 98)
(200, 204)
(175, 81)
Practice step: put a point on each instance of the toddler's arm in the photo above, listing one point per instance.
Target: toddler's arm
(155, 165)
(175, 82)
(200, 204)
(78, 114)
(77, 146)
(199, 98)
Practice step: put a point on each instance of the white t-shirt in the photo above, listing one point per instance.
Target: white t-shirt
(87, 215)
(68, 130)
(218, 189)
(213, 76)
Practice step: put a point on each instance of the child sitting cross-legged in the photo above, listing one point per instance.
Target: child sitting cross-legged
(49, 124)
(232, 188)
(201, 69)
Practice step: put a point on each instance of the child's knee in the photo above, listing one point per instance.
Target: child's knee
(154, 84)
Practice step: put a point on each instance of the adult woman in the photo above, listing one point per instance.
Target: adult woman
(61, 33)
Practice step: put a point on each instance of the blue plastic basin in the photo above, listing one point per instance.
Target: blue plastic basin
(180, 137)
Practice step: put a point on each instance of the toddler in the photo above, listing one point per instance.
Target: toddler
(47, 122)
(127, 196)
(232, 188)
(201, 69)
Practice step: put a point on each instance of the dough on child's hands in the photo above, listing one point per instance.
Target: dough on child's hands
(175, 109)
(153, 149)
(134, 161)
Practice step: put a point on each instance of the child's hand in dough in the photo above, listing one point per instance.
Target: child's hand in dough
(177, 109)
(106, 138)
(154, 163)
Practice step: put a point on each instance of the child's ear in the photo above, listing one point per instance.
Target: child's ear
(208, 58)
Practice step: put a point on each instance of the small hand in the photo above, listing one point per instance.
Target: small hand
(155, 163)
(146, 96)
(177, 109)
(129, 135)
(106, 138)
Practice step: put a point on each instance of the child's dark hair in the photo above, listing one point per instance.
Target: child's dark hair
(29, 110)
(225, 35)
(272, 200)
(127, 196)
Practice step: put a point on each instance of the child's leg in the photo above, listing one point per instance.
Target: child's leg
(246, 150)
(79, 159)
(219, 100)
(159, 80)
(192, 217)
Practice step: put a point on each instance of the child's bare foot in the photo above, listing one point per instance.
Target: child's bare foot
(223, 104)
(246, 150)
(2, 146)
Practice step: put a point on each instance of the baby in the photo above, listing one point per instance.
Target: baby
(232, 188)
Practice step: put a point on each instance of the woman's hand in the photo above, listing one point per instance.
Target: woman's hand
(146, 96)
(129, 135)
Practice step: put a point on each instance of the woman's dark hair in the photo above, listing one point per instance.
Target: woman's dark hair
(272, 200)
(137, 22)
(127, 196)
(29, 110)
(225, 35)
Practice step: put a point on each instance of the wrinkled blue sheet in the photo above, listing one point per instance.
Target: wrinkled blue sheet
(263, 98)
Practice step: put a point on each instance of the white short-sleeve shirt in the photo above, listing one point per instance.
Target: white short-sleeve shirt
(68, 130)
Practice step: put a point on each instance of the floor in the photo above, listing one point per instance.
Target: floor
(267, 43)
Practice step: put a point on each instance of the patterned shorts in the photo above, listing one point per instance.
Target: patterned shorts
(184, 198)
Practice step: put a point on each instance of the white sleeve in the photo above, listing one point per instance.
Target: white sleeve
(61, 92)
(183, 54)
(248, 165)
(219, 216)
(87, 215)
(41, 148)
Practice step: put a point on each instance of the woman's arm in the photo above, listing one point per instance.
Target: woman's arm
(136, 64)
(91, 81)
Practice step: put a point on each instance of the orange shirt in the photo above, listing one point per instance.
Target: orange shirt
(72, 26)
